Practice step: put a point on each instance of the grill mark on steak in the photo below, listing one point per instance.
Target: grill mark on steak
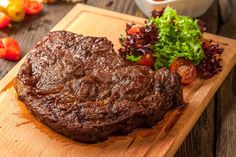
(81, 88)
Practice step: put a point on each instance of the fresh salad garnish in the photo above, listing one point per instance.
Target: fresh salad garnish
(179, 36)
(173, 41)
(185, 68)
(147, 60)
(210, 65)
(137, 42)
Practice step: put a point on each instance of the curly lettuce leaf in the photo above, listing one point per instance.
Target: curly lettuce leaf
(133, 58)
(179, 36)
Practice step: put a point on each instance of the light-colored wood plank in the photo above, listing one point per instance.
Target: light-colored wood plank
(25, 136)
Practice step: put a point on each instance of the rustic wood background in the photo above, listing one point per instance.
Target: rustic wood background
(215, 132)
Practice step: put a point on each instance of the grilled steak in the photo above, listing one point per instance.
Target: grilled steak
(81, 88)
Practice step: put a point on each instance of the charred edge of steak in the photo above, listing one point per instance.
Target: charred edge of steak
(82, 89)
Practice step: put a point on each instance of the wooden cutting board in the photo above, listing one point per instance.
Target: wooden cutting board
(22, 135)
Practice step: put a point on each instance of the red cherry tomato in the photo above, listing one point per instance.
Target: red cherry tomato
(32, 7)
(9, 49)
(4, 20)
(185, 68)
(147, 60)
(133, 30)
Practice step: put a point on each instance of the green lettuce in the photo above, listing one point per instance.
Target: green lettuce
(133, 58)
(179, 36)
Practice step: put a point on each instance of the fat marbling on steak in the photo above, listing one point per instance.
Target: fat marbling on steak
(80, 87)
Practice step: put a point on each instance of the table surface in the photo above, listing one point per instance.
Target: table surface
(214, 133)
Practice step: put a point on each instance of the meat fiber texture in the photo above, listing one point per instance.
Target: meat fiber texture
(80, 87)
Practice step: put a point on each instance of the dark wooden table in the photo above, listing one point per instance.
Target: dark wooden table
(215, 132)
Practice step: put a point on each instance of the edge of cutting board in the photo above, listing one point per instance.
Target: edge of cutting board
(178, 133)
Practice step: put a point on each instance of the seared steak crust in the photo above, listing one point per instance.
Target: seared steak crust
(81, 88)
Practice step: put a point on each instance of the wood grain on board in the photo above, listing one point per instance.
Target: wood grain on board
(18, 127)
(226, 97)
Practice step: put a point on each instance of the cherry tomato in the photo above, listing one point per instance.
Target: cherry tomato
(9, 49)
(4, 20)
(133, 30)
(147, 60)
(32, 7)
(185, 68)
